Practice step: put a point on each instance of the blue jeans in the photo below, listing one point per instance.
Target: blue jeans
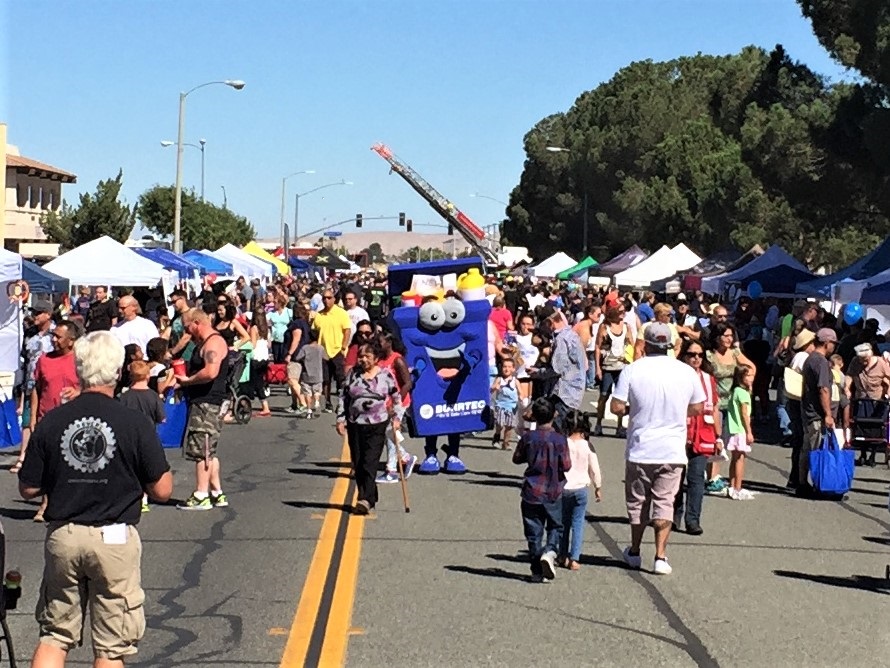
(695, 491)
(536, 519)
(782, 408)
(591, 369)
(574, 507)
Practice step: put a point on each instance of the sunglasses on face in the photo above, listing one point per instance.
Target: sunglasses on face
(695, 354)
(327, 297)
(365, 332)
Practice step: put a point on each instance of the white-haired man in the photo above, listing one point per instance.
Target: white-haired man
(94, 458)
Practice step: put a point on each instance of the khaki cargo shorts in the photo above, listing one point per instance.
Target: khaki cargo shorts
(81, 570)
(202, 431)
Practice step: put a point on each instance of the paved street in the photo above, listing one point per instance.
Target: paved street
(773, 582)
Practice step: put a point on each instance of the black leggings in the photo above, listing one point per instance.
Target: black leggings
(255, 388)
(366, 443)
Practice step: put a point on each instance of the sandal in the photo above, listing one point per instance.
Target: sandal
(263, 414)
(15, 468)
(573, 565)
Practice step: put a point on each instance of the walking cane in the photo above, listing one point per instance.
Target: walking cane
(395, 437)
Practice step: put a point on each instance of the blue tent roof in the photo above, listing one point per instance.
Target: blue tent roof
(780, 280)
(869, 265)
(298, 265)
(170, 260)
(42, 281)
(209, 263)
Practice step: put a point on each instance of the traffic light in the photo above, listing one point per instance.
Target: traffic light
(358, 220)
(410, 225)
(450, 230)
(402, 220)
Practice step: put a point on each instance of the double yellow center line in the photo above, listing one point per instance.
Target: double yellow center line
(320, 631)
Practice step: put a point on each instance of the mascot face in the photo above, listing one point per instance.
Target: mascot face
(447, 349)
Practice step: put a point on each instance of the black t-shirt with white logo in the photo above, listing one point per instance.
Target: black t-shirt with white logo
(92, 456)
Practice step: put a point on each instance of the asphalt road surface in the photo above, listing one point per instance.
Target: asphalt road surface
(283, 577)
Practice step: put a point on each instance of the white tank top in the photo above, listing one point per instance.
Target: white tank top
(614, 357)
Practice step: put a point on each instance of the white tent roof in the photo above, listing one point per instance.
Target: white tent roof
(10, 326)
(243, 263)
(104, 261)
(550, 267)
(662, 263)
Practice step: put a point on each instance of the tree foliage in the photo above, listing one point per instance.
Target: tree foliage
(202, 225)
(710, 151)
(96, 215)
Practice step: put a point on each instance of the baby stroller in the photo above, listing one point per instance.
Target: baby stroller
(869, 429)
(242, 407)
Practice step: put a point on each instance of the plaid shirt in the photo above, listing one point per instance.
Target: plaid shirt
(546, 452)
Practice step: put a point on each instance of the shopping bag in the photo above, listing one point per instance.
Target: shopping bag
(276, 374)
(831, 468)
(10, 428)
(172, 430)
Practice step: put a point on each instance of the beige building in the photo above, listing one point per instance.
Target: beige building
(32, 189)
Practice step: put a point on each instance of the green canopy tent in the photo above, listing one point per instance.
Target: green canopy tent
(583, 265)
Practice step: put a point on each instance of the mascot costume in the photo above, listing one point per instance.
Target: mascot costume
(445, 334)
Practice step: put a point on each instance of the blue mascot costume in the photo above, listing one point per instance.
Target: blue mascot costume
(446, 341)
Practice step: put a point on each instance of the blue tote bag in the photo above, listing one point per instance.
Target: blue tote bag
(831, 468)
(172, 431)
(10, 427)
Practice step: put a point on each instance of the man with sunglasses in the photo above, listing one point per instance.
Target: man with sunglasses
(334, 333)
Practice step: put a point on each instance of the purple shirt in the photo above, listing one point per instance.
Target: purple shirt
(546, 452)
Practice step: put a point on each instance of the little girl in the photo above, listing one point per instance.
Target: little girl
(740, 435)
(505, 397)
(585, 468)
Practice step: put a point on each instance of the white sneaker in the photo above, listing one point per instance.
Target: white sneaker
(548, 564)
(662, 567)
(742, 495)
(634, 561)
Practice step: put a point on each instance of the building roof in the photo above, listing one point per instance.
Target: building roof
(30, 166)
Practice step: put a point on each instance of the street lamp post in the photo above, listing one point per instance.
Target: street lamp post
(225, 199)
(560, 149)
(297, 196)
(237, 84)
(166, 142)
(283, 186)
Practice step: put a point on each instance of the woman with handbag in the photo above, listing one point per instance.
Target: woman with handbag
(802, 345)
(259, 363)
(703, 440)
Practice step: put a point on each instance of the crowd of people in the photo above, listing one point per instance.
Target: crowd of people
(691, 376)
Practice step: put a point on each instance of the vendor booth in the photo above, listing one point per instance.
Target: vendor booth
(104, 261)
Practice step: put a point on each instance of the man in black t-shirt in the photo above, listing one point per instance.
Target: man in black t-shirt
(103, 312)
(94, 459)
(815, 404)
(376, 300)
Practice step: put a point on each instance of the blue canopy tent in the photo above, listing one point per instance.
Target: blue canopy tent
(865, 267)
(297, 264)
(780, 281)
(876, 295)
(41, 281)
(210, 264)
(172, 261)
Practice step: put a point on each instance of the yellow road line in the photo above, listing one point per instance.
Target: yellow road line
(313, 588)
(339, 627)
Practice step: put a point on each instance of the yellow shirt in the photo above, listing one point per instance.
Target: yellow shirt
(330, 327)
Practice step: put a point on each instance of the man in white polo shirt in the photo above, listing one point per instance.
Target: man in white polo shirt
(661, 392)
(132, 327)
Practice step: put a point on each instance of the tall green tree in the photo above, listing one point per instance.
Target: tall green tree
(97, 214)
(202, 225)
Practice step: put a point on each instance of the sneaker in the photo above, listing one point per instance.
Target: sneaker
(308, 415)
(219, 500)
(621, 432)
(598, 430)
(632, 560)
(455, 465)
(662, 567)
(495, 439)
(716, 486)
(536, 578)
(387, 478)
(408, 465)
(740, 494)
(328, 407)
(292, 410)
(694, 529)
(146, 508)
(194, 503)
(548, 564)
(362, 508)
(430, 465)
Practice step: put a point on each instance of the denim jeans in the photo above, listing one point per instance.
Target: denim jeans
(695, 491)
(538, 518)
(591, 369)
(574, 508)
(782, 408)
(392, 465)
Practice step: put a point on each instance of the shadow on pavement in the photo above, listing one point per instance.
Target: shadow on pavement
(18, 513)
(878, 540)
(497, 475)
(493, 483)
(767, 487)
(606, 519)
(333, 465)
(318, 472)
(585, 560)
(877, 481)
(489, 572)
(872, 492)
(319, 505)
(862, 582)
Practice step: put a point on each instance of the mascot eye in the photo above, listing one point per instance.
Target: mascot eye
(454, 312)
(432, 316)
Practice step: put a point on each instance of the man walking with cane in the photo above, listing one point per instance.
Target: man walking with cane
(205, 388)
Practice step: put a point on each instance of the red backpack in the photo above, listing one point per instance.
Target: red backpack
(701, 435)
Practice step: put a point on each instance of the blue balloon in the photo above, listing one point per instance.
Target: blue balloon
(755, 289)
(852, 313)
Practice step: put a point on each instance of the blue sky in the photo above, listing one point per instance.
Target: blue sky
(451, 86)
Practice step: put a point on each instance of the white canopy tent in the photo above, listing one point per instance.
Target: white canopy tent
(10, 314)
(550, 267)
(662, 263)
(104, 261)
(244, 264)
